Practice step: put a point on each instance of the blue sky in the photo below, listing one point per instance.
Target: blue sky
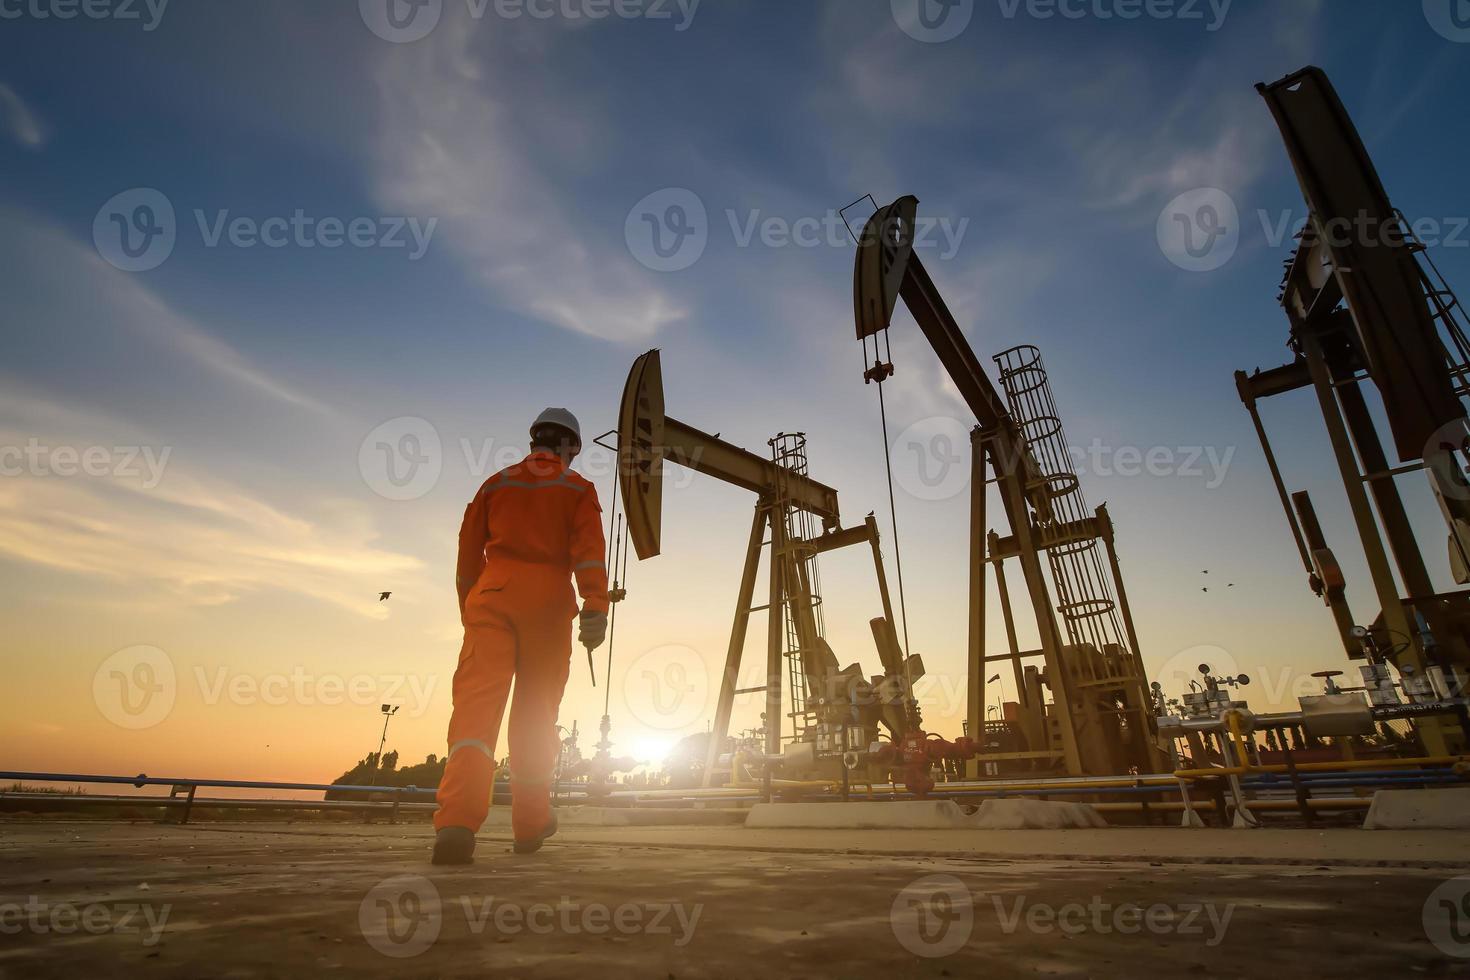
(522, 145)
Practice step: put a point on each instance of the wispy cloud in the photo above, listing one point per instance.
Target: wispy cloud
(62, 271)
(451, 146)
(1202, 133)
(177, 534)
(19, 121)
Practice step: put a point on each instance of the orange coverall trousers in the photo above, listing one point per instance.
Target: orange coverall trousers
(522, 631)
(526, 533)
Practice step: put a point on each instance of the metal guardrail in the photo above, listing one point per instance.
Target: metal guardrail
(1150, 790)
(393, 799)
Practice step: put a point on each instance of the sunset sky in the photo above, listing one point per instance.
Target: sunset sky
(192, 451)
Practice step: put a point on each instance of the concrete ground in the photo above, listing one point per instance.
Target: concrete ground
(233, 900)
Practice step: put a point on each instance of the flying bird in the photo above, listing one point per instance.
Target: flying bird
(383, 595)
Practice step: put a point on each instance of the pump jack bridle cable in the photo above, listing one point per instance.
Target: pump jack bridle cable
(893, 514)
(619, 558)
(615, 526)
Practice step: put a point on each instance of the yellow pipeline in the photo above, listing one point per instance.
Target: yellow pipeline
(738, 762)
(813, 784)
(1232, 721)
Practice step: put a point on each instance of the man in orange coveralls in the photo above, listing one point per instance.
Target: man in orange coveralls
(527, 532)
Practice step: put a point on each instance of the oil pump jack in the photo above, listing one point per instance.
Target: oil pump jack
(1365, 303)
(1099, 718)
(835, 712)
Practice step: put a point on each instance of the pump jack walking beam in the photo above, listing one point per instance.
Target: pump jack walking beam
(647, 438)
(888, 269)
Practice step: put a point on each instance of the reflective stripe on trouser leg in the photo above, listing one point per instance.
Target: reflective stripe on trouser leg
(465, 743)
(482, 683)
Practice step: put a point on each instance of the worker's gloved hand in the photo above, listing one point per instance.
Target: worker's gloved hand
(593, 629)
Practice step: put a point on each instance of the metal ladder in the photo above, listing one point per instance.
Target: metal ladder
(788, 451)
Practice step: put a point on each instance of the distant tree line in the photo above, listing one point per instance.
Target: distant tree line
(374, 771)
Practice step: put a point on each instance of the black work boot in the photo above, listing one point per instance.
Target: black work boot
(534, 844)
(454, 845)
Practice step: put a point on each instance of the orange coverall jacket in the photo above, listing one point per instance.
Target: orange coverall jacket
(530, 529)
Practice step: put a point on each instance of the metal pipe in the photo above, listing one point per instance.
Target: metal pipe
(1316, 804)
(1349, 764)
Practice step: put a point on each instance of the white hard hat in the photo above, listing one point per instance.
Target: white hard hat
(561, 418)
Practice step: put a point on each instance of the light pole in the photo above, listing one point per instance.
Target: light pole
(389, 710)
